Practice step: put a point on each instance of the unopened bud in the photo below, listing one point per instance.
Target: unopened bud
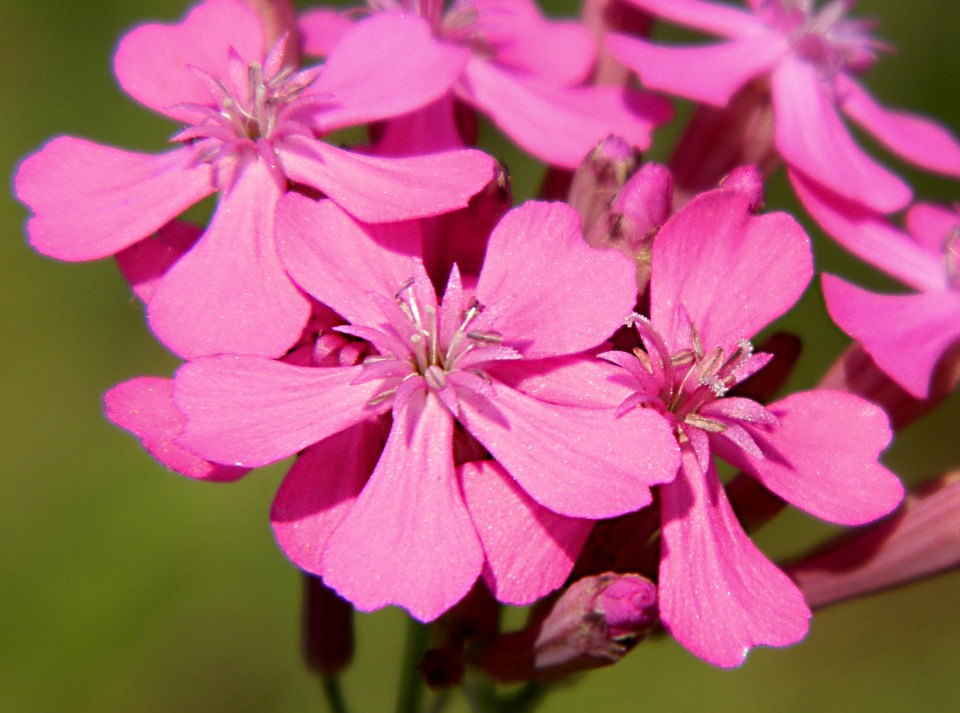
(594, 623)
(327, 628)
(920, 539)
(748, 180)
(597, 180)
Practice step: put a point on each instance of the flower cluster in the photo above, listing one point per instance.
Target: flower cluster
(512, 402)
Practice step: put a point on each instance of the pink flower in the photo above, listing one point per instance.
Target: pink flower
(810, 57)
(250, 132)
(377, 506)
(905, 334)
(524, 71)
(720, 274)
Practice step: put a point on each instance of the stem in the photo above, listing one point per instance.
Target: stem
(411, 685)
(333, 694)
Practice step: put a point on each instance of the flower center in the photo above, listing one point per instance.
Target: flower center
(825, 36)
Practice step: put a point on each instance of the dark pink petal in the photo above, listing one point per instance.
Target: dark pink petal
(813, 140)
(321, 488)
(733, 272)
(230, 294)
(383, 190)
(565, 296)
(580, 462)
(386, 65)
(930, 224)
(430, 129)
(340, 261)
(153, 62)
(822, 457)
(905, 334)
(145, 263)
(714, 17)
(710, 74)
(872, 238)
(558, 51)
(560, 125)
(578, 380)
(408, 540)
(530, 550)
(719, 595)
(144, 406)
(919, 140)
(253, 411)
(90, 201)
(321, 29)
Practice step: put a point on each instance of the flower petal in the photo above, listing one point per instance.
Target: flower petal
(822, 456)
(719, 595)
(385, 65)
(905, 334)
(144, 263)
(578, 380)
(153, 61)
(252, 411)
(717, 18)
(580, 462)
(565, 296)
(710, 74)
(321, 488)
(918, 139)
(733, 272)
(144, 406)
(321, 28)
(115, 197)
(929, 224)
(556, 124)
(813, 140)
(381, 190)
(340, 261)
(230, 293)
(530, 550)
(408, 540)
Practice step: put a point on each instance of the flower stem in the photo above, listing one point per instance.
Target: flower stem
(333, 694)
(411, 685)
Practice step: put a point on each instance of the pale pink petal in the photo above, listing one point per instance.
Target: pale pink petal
(558, 51)
(145, 263)
(340, 261)
(153, 61)
(252, 411)
(719, 595)
(733, 272)
(386, 65)
(530, 550)
(560, 125)
(583, 381)
(321, 29)
(717, 18)
(822, 456)
(929, 224)
(565, 296)
(905, 334)
(144, 406)
(408, 540)
(230, 293)
(580, 462)
(872, 238)
(710, 74)
(813, 140)
(321, 488)
(90, 201)
(381, 190)
(918, 139)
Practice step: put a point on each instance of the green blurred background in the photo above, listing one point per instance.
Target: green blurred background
(125, 587)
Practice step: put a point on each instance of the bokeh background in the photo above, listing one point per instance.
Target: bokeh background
(125, 587)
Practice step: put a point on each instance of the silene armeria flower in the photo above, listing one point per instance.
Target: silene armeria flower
(719, 275)
(906, 334)
(810, 56)
(376, 504)
(526, 72)
(251, 127)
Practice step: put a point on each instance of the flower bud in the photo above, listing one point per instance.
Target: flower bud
(594, 623)
(327, 628)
